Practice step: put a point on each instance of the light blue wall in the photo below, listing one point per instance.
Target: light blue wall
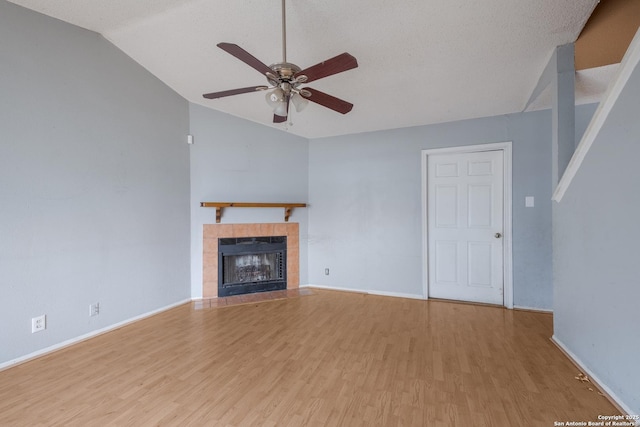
(595, 239)
(584, 114)
(365, 220)
(365, 215)
(563, 116)
(94, 184)
(234, 160)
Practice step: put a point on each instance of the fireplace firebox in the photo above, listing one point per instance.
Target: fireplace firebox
(251, 264)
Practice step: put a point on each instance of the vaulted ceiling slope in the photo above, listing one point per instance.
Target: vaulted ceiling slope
(420, 61)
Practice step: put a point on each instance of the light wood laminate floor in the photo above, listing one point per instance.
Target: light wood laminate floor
(330, 358)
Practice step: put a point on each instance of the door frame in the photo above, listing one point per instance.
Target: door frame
(507, 252)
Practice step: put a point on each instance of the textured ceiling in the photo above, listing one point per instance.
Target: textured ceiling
(420, 61)
(590, 86)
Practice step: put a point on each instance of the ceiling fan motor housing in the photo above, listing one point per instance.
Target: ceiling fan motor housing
(284, 71)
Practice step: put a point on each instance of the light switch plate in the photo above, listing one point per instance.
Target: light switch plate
(529, 202)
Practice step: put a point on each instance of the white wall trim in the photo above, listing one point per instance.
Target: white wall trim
(367, 291)
(627, 66)
(86, 336)
(594, 378)
(506, 147)
(535, 309)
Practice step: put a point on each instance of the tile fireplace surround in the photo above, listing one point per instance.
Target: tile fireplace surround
(213, 232)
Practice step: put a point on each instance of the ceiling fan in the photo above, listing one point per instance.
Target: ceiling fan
(286, 78)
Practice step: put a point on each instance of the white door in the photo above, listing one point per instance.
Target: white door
(465, 226)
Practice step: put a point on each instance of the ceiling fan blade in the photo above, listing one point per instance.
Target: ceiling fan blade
(335, 65)
(245, 57)
(336, 104)
(214, 95)
(282, 119)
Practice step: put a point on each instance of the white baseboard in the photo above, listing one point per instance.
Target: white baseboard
(615, 400)
(366, 291)
(402, 295)
(92, 334)
(522, 307)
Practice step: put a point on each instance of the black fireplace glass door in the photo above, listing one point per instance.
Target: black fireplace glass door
(252, 268)
(251, 264)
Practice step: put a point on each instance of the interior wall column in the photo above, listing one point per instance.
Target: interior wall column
(563, 110)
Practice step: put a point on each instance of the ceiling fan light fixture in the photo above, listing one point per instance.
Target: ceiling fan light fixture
(277, 100)
(275, 97)
(299, 102)
(281, 109)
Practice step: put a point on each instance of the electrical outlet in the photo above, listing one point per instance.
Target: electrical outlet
(94, 309)
(38, 323)
(326, 271)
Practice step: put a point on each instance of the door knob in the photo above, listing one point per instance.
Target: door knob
(498, 235)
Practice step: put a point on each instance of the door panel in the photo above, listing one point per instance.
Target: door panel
(479, 213)
(479, 256)
(465, 211)
(447, 206)
(446, 254)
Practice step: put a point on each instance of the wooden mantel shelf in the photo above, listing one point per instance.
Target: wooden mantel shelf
(219, 205)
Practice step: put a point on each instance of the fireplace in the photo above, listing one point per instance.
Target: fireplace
(251, 264)
(212, 233)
